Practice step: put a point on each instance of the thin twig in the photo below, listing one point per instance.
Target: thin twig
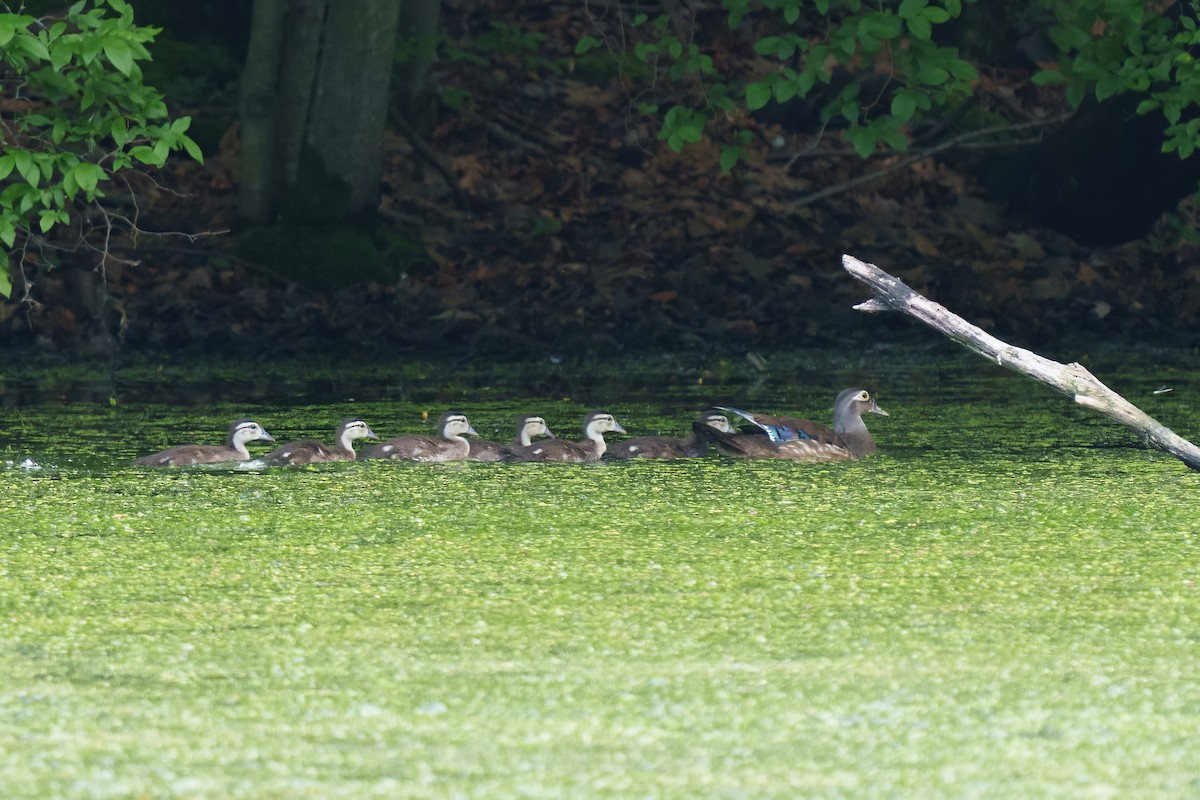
(961, 140)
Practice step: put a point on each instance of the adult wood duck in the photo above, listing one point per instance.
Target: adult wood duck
(234, 449)
(595, 425)
(310, 451)
(448, 445)
(794, 439)
(528, 426)
(693, 446)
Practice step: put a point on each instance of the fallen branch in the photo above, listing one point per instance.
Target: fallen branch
(892, 294)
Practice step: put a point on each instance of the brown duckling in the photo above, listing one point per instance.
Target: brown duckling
(310, 451)
(595, 425)
(234, 449)
(793, 439)
(448, 445)
(528, 426)
(693, 446)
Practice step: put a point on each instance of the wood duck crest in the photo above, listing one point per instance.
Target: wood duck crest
(693, 446)
(448, 445)
(234, 449)
(595, 425)
(794, 439)
(528, 426)
(310, 451)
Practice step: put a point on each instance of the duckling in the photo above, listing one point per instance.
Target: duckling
(795, 439)
(310, 451)
(528, 426)
(448, 445)
(693, 446)
(595, 425)
(234, 449)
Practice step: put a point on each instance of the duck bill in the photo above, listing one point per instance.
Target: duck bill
(875, 409)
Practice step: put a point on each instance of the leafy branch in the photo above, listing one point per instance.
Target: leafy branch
(75, 113)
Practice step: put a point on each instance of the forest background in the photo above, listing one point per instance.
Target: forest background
(511, 180)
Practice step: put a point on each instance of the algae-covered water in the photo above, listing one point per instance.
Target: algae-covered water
(1003, 602)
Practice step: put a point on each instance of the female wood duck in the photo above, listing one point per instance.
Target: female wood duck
(234, 449)
(693, 446)
(528, 426)
(595, 425)
(310, 451)
(795, 439)
(448, 445)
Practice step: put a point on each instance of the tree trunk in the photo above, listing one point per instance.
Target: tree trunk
(342, 159)
(418, 42)
(298, 72)
(314, 104)
(259, 192)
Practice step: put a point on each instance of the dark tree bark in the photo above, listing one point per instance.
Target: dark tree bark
(314, 104)
(258, 196)
(418, 39)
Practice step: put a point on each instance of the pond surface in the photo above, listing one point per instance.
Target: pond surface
(1003, 602)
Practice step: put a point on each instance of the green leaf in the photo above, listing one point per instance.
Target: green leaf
(1106, 86)
(964, 70)
(586, 45)
(881, 25)
(776, 46)
(730, 157)
(26, 168)
(193, 149)
(935, 15)
(1075, 92)
(758, 95)
(786, 90)
(30, 46)
(932, 75)
(5, 279)
(1048, 76)
(863, 140)
(87, 175)
(920, 28)
(119, 54)
(1069, 37)
(1146, 106)
(11, 23)
(145, 155)
(7, 162)
(118, 131)
(911, 8)
(895, 138)
(69, 186)
(904, 105)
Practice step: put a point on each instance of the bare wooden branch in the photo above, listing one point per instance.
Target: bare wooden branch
(892, 294)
